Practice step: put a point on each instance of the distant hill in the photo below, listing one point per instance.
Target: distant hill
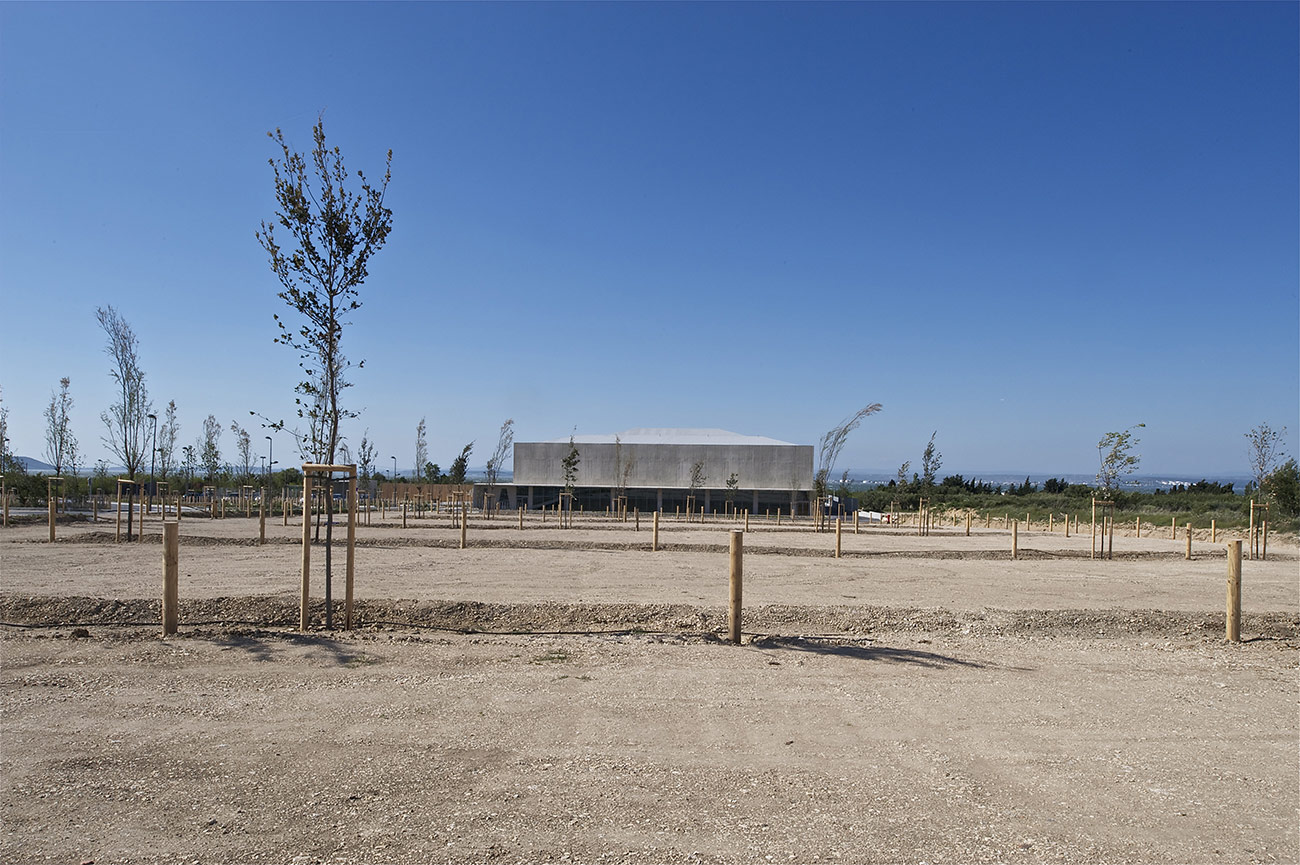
(34, 466)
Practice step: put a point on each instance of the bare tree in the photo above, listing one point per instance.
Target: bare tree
(5, 457)
(569, 465)
(505, 439)
(168, 433)
(126, 420)
(831, 445)
(1115, 453)
(1265, 449)
(698, 479)
(59, 440)
(733, 486)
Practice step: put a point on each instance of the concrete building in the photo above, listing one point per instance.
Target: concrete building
(652, 468)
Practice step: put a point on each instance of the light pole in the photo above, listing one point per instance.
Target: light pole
(153, 453)
(263, 470)
(270, 459)
(394, 459)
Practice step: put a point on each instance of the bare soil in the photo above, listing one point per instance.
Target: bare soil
(566, 695)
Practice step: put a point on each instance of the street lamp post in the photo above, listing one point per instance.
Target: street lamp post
(270, 459)
(394, 459)
(153, 454)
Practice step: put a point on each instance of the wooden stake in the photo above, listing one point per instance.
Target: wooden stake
(746, 520)
(403, 513)
(855, 520)
(303, 622)
(1188, 555)
(261, 517)
(49, 501)
(968, 524)
(1015, 540)
(737, 579)
(839, 526)
(521, 518)
(1093, 551)
(1173, 528)
(352, 545)
(1067, 525)
(1233, 623)
(117, 535)
(1137, 528)
(654, 535)
(1051, 523)
(171, 582)
(464, 526)
(1214, 532)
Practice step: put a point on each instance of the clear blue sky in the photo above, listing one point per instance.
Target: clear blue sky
(1020, 225)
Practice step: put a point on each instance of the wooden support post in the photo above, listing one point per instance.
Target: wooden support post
(1067, 525)
(1188, 555)
(1029, 523)
(1233, 623)
(521, 518)
(49, 501)
(1093, 551)
(636, 517)
(1173, 528)
(464, 524)
(654, 534)
(304, 609)
(117, 534)
(1015, 540)
(285, 507)
(988, 520)
(1214, 531)
(178, 507)
(1263, 553)
(968, 524)
(855, 520)
(1137, 528)
(737, 579)
(1051, 523)
(403, 514)
(171, 582)
(353, 502)
(839, 527)
(261, 517)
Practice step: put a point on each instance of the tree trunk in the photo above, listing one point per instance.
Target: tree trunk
(329, 535)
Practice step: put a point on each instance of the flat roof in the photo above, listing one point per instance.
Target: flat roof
(673, 436)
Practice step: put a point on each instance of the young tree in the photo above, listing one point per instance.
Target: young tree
(1265, 449)
(831, 445)
(569, 465)
(902, 472)
(190, 464)
(698, 477)
(127, 419)
(931, 460)
(59, 440)
(421, 447)
(333, 232)
(366, 452)
(168, 433)
(505, 438)
(7, 463)
(1115, 451)
(244, 447)
(209, 447)
(733, 486)
(460, 466)
(433, 473)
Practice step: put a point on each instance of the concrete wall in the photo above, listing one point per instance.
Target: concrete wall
(667, 466)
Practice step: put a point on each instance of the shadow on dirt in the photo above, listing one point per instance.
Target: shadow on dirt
(265, 647)
(886, 654)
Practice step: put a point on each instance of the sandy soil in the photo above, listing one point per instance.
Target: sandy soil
(919, 699)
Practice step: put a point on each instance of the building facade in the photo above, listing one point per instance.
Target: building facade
(652, 469)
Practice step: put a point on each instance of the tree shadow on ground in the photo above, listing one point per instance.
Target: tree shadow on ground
(264, 646)
(887, 654)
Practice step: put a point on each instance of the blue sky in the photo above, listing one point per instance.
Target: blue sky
(1020, 225)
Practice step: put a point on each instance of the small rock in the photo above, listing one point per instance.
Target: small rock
(77, 633)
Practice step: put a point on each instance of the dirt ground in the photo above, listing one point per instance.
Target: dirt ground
(551, 695)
